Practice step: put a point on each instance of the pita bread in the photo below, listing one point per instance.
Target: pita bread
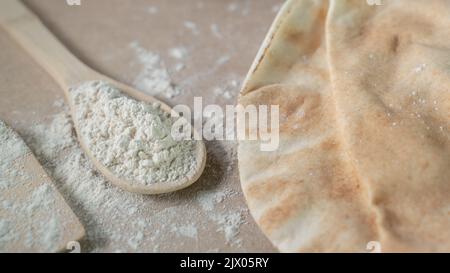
(364, 127)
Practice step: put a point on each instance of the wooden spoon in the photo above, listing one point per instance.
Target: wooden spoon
(68, 71)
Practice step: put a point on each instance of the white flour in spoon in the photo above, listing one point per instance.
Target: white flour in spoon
(131, 138)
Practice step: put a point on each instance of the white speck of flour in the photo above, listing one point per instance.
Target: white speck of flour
(215, 31)
(192, 27)
(178, 52)
(420, 68)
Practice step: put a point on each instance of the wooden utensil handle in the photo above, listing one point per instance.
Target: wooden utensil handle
(36, 39)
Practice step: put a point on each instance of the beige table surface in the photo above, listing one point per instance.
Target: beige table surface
(220, 50)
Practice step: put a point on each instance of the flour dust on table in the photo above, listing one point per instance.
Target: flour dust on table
(33, 217)
(119, 221)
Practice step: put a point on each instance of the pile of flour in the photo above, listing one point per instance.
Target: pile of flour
(131, 138)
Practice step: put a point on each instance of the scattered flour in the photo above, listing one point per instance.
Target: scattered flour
(192, 27)
(223, 60)
(230, 224)
(11, 145)
(232, 7)
(208, 200)
(136, 240)
(225, 94)
(4, 229)
(118, 221)
(243, 6)
(420, 68)
(178, 52)
(179, 66)
(189, 231)
(58, 103)
(131, 138)
(215, 31)
(99, 205)
(29, 221)
(154, 78)
(228, 91)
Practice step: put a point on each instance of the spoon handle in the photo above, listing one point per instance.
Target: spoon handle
(27, 30)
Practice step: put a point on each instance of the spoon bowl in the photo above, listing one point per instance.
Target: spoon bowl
(156, 188)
